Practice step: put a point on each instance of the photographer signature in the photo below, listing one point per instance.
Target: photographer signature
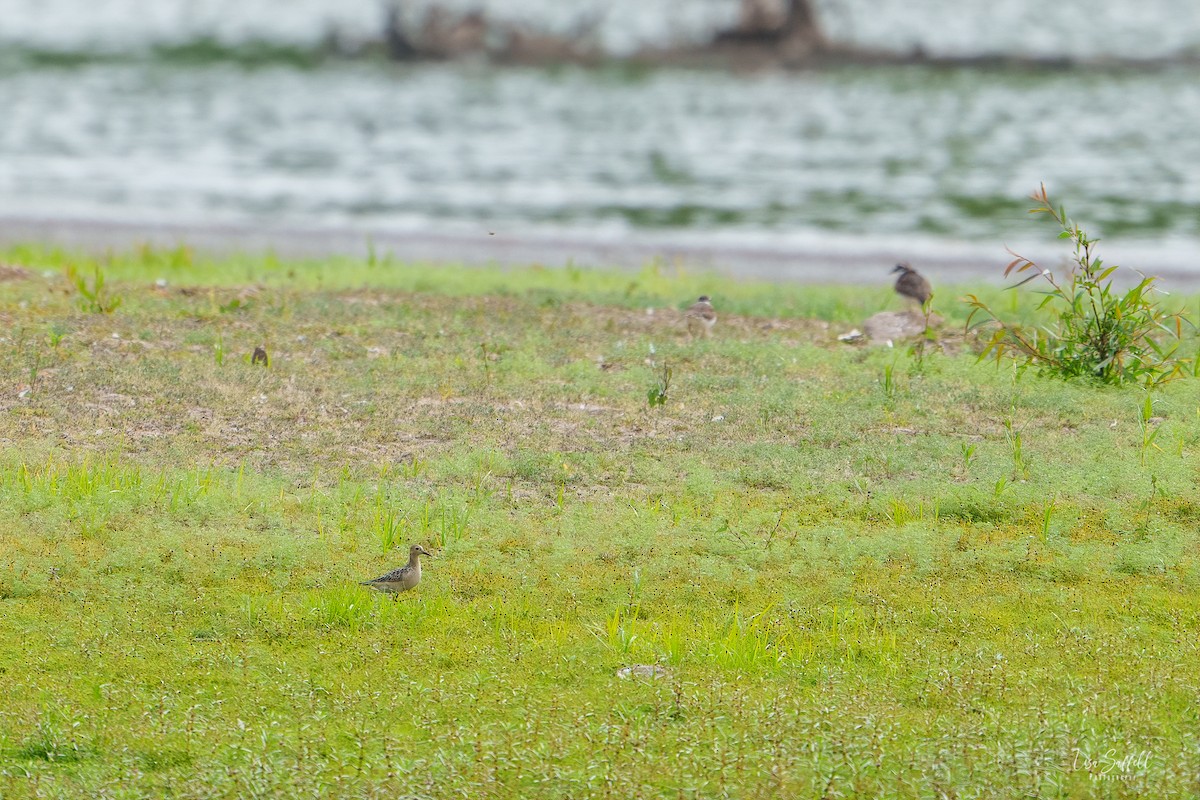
(1108, 766)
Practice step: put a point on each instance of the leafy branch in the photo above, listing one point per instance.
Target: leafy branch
(1096, 331)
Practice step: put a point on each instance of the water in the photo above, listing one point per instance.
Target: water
(890, 160)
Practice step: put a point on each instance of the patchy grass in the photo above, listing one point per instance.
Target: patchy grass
(867, 576)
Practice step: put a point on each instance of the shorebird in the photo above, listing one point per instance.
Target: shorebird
(913, 285)
(403, 579)
(701, 317)
(260, 357)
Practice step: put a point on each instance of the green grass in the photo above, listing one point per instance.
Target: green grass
(957, 584)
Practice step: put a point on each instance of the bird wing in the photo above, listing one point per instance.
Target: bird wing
(394, 576)
(913, 285)
(702, 310)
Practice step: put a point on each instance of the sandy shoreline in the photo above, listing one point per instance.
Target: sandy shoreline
(819, 261)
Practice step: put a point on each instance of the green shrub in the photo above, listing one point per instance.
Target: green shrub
(94, 299)
(657, 395)
(1096, 331)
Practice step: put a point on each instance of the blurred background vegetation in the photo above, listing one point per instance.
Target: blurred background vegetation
(818, 150)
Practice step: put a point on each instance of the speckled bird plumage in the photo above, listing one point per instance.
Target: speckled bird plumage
(404, 578)
(701, 317)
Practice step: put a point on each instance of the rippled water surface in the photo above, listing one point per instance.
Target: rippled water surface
(841, 154)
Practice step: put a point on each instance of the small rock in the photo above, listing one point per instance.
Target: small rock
(896, 326)
(651, 671)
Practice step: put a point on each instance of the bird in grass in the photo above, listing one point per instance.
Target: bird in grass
(403, 579)
(260, 357)
(701, 317)
(913, 285)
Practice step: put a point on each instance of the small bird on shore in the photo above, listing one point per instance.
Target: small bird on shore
(260, 357)
(404, 578)
(913, 285)
(701, 317)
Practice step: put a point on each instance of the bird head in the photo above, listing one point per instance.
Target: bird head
(902, 268)
(417, 550)
(703, 299)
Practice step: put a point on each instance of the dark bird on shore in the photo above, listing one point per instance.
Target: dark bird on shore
(260, 357)
(396, 39)
(913, 285)
(764, 22)
(701, 317)
(403, 579)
